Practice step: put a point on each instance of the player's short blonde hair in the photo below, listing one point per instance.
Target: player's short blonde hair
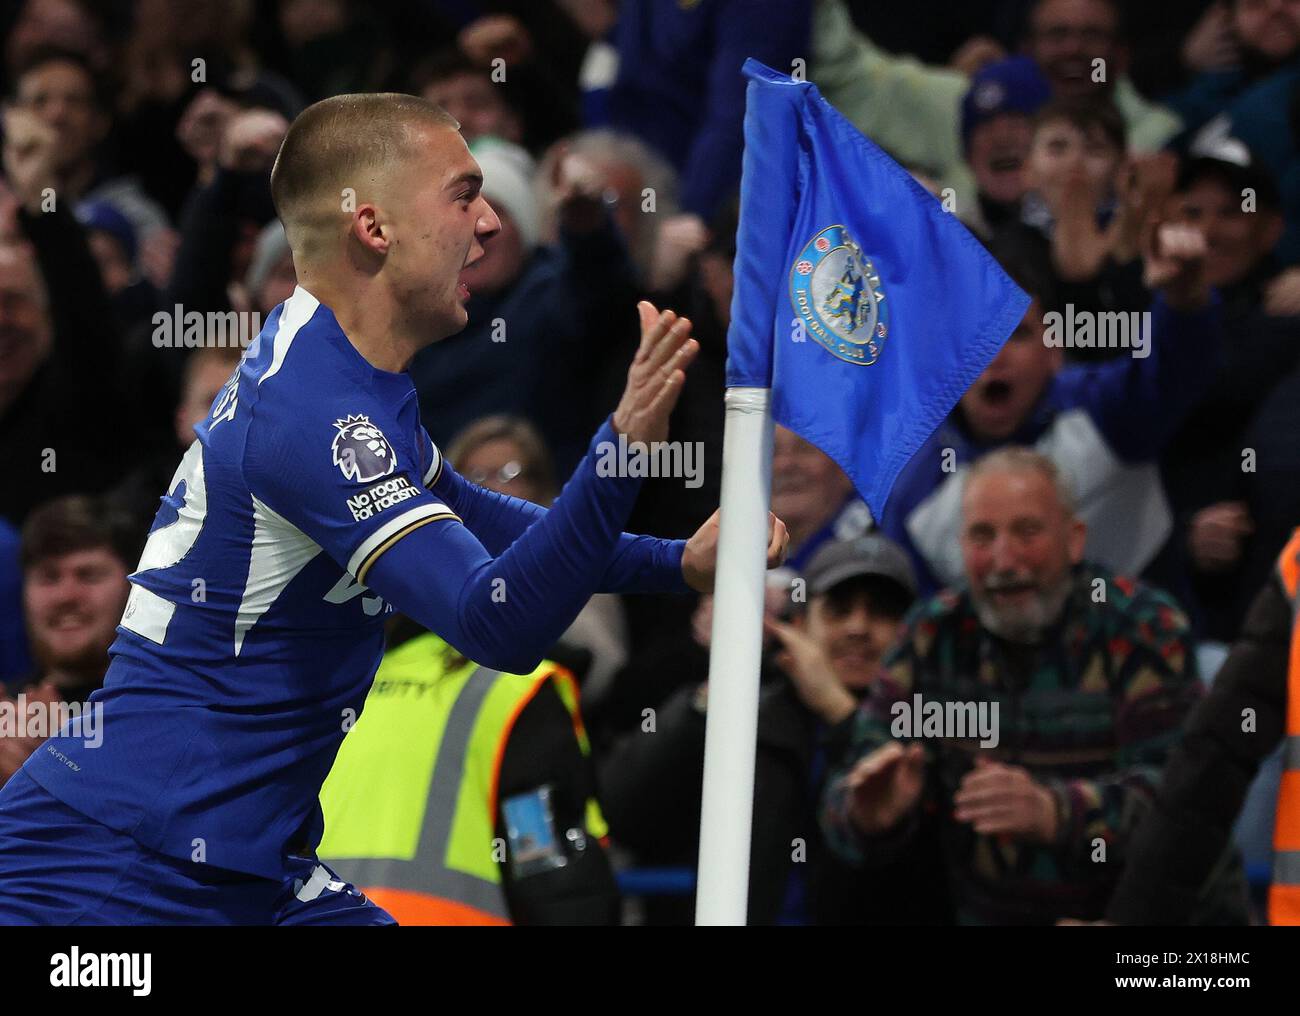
(335, 143)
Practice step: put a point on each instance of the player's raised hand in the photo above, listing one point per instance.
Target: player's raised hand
(655, 379)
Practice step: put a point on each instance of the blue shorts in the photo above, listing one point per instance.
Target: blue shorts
(59, 867)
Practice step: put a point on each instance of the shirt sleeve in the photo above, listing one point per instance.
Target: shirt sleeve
(345, 479)
(911, 109)
(640, 564)
(1139, 402)
(501, 611)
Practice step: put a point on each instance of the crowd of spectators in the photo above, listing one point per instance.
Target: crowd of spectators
(1122, 160)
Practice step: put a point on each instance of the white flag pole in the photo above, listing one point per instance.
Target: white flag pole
(734, 658)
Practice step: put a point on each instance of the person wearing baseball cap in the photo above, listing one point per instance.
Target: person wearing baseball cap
(996, 133)
(846, 608)
(1225, 190)
(857, 592)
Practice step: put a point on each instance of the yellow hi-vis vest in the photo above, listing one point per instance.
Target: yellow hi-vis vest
(1284, 893)
(410, 805)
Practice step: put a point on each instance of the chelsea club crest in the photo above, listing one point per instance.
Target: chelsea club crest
(837, 294)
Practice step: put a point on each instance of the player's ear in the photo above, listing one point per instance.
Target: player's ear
(369, 228)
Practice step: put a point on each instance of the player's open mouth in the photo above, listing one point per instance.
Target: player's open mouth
(462, 287)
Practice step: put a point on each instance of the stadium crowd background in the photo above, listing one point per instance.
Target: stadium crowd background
(138, 140)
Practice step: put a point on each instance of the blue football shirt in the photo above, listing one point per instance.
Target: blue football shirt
(250, 638)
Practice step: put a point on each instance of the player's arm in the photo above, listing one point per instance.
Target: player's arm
(637, 564)
(504, 612)
(640, 564)
(373, 515)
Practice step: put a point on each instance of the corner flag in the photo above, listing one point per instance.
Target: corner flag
(863, 304)
(862, 311)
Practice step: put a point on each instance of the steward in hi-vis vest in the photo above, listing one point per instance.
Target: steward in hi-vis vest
(1253, 706)
(1284, 893)
(466, 796)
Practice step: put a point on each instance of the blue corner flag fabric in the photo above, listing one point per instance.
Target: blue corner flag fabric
(865, 306)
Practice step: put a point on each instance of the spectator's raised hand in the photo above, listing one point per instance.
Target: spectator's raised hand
(1174, 262)
(30, 156)
(251, 140)
(884, 786)
(1145, 185)
(594, 18)
(495, 36)
(579, 188)
(14, 750)
(158, 252)
(679, 238)
(1216, 535)
(202, 126)
(1002, 800)
(975, 53)
(1282, 295)
(1079, 245)
(1211, 45)
(10, 230)
(805, 662)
